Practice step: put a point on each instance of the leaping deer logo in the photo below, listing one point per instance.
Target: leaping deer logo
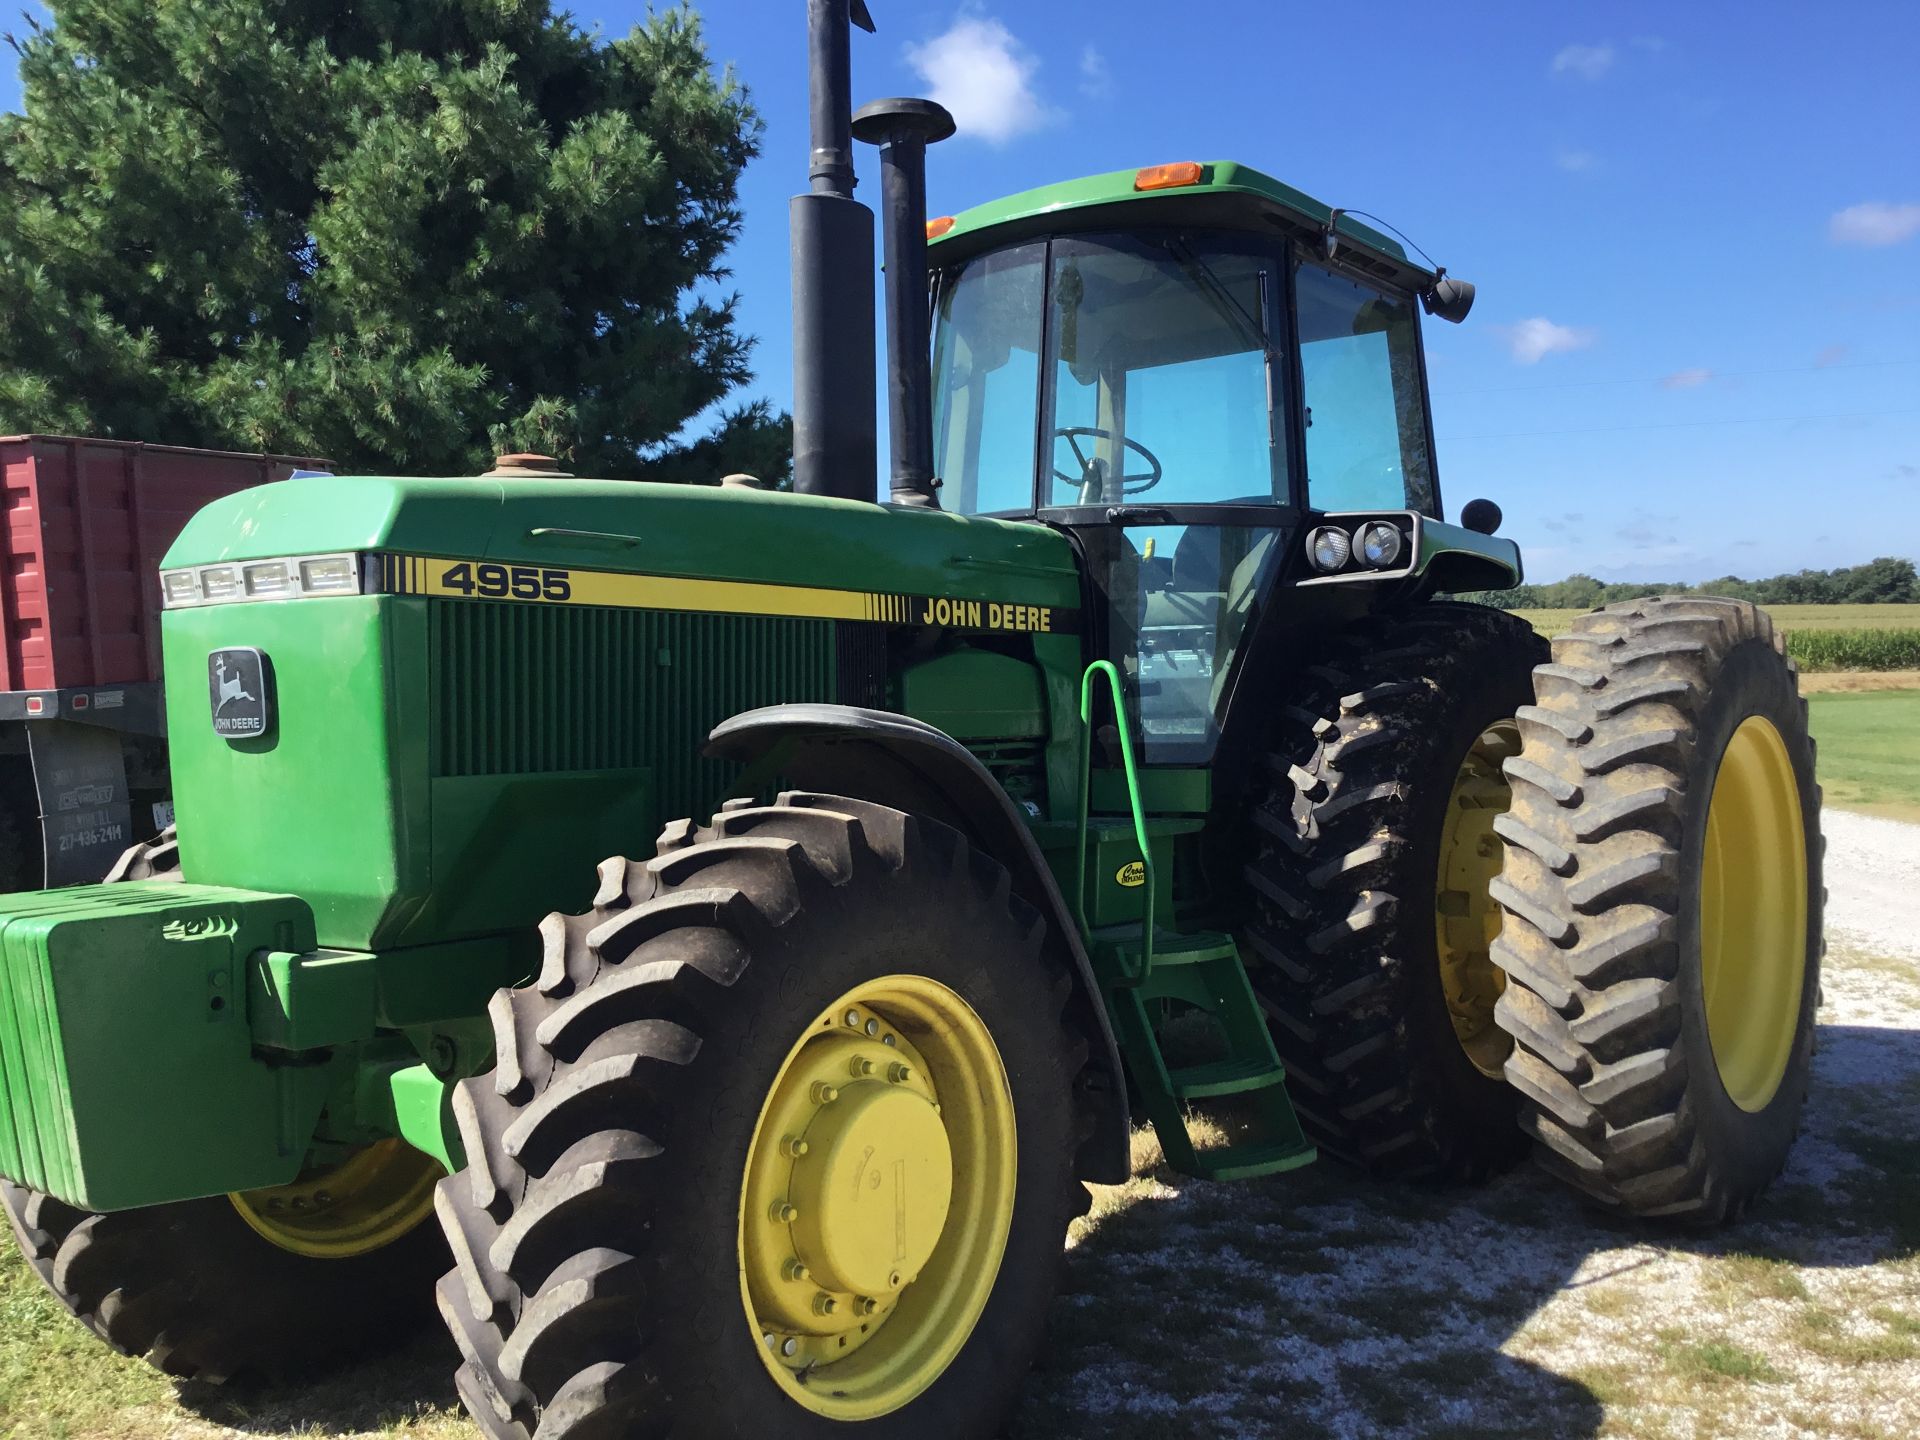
(230, 688)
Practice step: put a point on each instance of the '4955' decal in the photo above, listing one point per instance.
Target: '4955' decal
(507, 582)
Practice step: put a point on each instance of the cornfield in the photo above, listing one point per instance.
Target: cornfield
(1855, 649)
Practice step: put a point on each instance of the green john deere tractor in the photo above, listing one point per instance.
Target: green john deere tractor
(1142, 723)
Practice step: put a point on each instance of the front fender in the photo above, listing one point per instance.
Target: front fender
(905, 763)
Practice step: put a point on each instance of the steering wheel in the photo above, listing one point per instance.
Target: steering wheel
(1089, 473)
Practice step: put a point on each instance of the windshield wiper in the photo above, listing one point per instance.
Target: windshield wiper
(1224, 299)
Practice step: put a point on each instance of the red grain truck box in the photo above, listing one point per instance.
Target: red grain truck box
(82, 737)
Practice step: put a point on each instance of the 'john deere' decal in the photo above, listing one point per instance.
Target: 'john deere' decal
(237, 689)
(396, 574)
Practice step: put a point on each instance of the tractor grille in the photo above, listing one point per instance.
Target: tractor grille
(1018, 765)
(531, 689)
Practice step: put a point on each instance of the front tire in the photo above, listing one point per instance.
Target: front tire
(641, 1245)
(196, 1291)
(1663, 898)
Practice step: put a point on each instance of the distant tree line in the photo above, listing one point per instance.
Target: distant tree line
(1886, 581)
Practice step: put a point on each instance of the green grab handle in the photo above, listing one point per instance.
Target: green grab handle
(1133, 797)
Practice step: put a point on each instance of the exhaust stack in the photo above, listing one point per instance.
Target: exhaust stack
(835, 450)
(903, 129)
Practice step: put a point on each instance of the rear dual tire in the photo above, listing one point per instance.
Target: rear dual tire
(1663, 895)
(1382, 770)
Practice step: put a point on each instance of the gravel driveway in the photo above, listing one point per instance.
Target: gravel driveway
(1873, 883)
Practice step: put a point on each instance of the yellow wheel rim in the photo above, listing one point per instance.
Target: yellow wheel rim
(877, 1197)
(1466, 919)
(363, 1204)
(1753, 914)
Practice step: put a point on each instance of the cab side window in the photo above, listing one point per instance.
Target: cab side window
(1367, 444)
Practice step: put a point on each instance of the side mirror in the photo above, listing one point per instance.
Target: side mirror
(1481, 516)
(1449, 298)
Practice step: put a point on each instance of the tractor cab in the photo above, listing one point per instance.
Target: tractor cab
(1187, 368)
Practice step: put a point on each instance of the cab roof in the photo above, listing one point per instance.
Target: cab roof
(1226, 193)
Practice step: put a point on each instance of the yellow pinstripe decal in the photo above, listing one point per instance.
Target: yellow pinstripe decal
(489, 580)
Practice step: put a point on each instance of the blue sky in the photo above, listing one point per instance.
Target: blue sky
(1695, 229)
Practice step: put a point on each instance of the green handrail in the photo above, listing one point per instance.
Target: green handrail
(1133, 798)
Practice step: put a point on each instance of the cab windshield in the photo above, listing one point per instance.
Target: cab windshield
(1158, 380)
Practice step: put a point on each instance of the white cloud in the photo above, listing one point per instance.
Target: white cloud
(1533, 340)
(1096, 76)
(1589, 62)
(1874, 223)
(1575, 160)
(984, 76)
(1686, 379)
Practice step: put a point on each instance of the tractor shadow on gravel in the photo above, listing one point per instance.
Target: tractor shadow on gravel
(1318, 1304)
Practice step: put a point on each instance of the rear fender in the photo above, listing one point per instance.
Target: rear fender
(907, 764)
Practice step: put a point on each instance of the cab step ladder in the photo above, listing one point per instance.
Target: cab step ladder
(1146, 972)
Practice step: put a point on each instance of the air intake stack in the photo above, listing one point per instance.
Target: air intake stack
(834, 446)
(903, 129)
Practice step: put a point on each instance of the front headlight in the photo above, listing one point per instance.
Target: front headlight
(1329, 548)
(1381, 544)
(182, 587)
(329, 575)
(269, 579)
(219, 582)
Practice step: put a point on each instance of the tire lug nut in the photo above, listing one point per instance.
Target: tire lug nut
(862, 1067)
(795, 1146)
(899, 1074)
(853, 1019)
(795, 1271)
(824, 1304)
(873, 1027)
(825, 1094)
(865, 1305)
(784, 1213)
(790, 1347)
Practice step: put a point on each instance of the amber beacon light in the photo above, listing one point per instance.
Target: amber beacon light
(1168, 177)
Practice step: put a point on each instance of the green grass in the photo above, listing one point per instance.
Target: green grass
(1789, 617)
(1714, 1361)
(1870, 751)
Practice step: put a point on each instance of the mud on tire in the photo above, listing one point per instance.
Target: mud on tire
(596, 1289)
(1606, 848)
(1342, 945)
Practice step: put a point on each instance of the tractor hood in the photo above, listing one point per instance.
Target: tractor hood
(851, 549)
(431, 707)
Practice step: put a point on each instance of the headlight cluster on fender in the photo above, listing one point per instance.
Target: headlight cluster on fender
(293, 578)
